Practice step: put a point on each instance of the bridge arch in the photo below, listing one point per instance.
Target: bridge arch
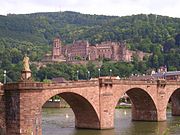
(84, 111)
(174, 96)
(143, 105)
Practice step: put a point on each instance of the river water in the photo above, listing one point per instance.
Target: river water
(60, 121)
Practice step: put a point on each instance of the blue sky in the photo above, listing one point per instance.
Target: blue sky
(105, 7)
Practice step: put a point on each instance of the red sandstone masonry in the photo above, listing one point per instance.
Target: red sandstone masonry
(2, 112)
(95, 99)
(112, 50)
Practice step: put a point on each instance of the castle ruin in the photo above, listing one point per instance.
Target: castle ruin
(82, 50)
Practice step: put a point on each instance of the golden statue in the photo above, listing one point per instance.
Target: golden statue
(26, 64)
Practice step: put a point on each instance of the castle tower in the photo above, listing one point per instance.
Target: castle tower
(56, 52)
(123, 52)
(116, 54)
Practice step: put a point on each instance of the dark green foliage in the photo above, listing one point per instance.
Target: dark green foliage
(40, 28)
(177, 40)
(32, 34)
(69, 71)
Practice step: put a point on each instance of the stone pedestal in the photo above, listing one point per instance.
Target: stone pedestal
(26, 75)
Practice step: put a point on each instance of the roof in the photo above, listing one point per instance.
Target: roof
(172, 73)
(58, 80)
(169, 73)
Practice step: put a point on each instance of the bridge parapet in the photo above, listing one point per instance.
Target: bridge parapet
(70, 84)
(126, 81)
(136, 82)
(41, 86)
(24, 85)
(173, 82)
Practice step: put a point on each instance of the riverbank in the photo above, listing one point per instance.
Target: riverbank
(123, 105)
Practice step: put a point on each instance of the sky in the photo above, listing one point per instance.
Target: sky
(100, 7)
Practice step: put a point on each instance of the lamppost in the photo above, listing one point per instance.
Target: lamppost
(77, 74)
(110, 73)
(4, 76)
(99, 71)
(88, 77)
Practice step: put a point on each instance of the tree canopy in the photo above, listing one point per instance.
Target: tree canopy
(32, 34)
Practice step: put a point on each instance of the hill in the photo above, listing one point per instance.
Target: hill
(42, 27)
(33, 33)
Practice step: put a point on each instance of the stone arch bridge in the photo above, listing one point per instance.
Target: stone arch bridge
(93, 102)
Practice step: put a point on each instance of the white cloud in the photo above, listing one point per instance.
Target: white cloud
(106, 7)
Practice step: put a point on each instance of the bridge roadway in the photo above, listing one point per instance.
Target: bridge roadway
(93, 102)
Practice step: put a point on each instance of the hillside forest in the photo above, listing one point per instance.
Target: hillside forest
(32, 34)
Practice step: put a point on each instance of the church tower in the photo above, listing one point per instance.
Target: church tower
(57, 48)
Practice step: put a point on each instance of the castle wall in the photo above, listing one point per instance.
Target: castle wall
(93, 54)
(77, 49)
(81, 50)
(104, 50)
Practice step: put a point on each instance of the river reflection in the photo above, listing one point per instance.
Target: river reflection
(61, 122)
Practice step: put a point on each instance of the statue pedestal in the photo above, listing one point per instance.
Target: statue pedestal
(26, 75)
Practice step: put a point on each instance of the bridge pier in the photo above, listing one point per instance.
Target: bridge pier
(107, 107)
(23, 115)
(161, 115)
(161, 102)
